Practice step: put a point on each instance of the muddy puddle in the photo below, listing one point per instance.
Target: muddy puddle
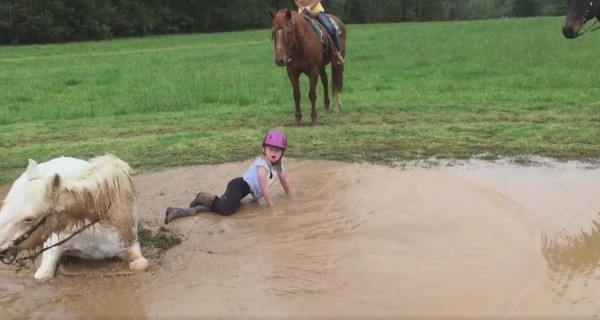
(355, 240)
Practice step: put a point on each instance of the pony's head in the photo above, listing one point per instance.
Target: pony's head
(283, 35)
(578, 12)
(29, 212)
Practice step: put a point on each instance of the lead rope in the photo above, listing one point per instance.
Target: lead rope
(33, 256)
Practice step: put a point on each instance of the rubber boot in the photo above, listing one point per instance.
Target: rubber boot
(204, 199)
(174, 213)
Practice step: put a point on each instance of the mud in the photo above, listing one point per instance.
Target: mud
(354, 240)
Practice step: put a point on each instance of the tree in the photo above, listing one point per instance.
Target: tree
(42, 21)
(526, 8)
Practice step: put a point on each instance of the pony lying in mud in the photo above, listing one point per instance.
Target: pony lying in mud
(74, 207)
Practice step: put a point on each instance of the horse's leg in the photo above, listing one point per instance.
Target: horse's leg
(312, 95)
(137, 262)
(338, 84)
(295, 80)
(50, 259)
(324, 81)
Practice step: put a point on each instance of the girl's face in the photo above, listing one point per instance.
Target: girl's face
(273, 154)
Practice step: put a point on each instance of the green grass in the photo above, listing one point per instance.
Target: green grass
(412, 91)
(155, 245)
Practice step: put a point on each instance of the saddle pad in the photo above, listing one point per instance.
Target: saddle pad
(316, 26)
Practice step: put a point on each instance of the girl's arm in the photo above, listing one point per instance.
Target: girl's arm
(312, 4)
(264, 186)
(285, 184)
(307, 7)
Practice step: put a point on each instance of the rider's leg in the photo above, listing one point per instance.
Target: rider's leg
(230, 201)
(324, 20)
(175, 213)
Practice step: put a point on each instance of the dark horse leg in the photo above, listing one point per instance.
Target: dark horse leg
(323, 75)
(312, 95)
(295, 80)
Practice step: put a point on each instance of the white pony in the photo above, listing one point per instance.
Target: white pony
(94, 202)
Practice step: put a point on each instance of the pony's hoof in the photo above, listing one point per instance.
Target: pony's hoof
(44, 274)
(139, 264)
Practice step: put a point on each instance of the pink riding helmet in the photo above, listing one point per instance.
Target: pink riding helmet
(275, 139)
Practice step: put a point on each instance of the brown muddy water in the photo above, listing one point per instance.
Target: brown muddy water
(359, 241)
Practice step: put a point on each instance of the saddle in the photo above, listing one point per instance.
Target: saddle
(320, 29)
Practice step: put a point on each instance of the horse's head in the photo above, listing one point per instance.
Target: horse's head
(29, 213)
(283, 35)
(578, 12)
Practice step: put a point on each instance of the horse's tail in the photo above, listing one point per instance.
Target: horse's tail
(337, 77)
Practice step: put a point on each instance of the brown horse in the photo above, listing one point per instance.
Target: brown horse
(578, 13)
(299, 49)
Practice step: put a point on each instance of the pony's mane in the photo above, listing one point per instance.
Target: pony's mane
(105, 192)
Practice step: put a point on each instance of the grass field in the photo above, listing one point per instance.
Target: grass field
(416, 90)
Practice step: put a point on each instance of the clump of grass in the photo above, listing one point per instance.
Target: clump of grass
(155, 244)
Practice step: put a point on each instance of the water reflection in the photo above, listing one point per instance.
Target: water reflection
(574, 254)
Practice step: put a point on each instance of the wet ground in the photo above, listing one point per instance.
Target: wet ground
(355, 240)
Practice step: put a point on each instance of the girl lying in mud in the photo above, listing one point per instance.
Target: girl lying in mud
(256, 181)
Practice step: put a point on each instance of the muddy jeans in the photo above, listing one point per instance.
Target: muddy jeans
(230, 201)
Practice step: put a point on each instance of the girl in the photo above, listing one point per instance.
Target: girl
(315, 9)
(256, 181)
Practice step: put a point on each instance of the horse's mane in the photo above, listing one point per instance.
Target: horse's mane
(294, 14)
(105, 192)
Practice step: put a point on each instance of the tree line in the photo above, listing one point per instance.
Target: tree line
(52, 21)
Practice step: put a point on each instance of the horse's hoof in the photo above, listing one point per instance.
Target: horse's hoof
(44, 274)
(139, 264)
